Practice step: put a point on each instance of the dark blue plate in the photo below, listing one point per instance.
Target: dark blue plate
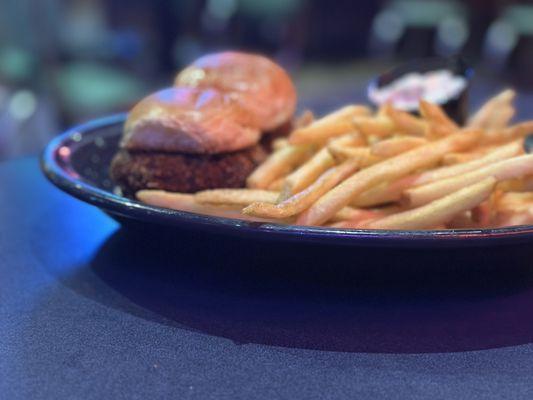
(78, 163)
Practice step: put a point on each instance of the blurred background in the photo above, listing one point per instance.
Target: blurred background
(62, 62)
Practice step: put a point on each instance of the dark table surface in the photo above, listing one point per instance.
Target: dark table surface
(91, 310)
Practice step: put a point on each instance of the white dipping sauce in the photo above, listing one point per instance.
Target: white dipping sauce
(406, 92)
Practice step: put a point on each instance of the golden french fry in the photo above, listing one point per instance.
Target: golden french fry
(374, 126)
(277, 185)
(397, 145)
(307, 173)
(277, 164)
(498, 154)
(345, 214)
(357, 223)
(515, 201)
(388, 170)
(523, 217)
(241, 197)
(437, 118)
(186, 202)
(332, 125)
(362, 154)
(279, 143)
(513, 132)
(484, 118)
(512, 168)
(353, 218)
(482, 213)
(459, 158)
(306, 118)
(389, 192)
(351, 139)
(406, 123)
(462, 221)
(392, 191)
(436, 131)
(501, 118)
(524, 184)
(514, 209)
(440, 211)
(320, 133)
(386, 192)
(304, 199)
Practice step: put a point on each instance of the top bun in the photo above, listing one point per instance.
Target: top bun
(259, 85)
(189, 120)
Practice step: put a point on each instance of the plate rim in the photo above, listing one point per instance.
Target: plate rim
(64, 177)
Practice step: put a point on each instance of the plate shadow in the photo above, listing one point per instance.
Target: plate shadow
(334, 299)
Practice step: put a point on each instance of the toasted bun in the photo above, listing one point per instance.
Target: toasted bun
(189, 120)
(259, 85)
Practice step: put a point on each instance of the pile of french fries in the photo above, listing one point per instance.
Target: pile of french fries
(386, 169)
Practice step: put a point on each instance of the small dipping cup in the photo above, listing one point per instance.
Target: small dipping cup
(456, 107)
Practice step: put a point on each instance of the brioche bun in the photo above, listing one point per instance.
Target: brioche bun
(189, 120)
(260, 86)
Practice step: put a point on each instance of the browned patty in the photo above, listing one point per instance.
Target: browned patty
(186, 173)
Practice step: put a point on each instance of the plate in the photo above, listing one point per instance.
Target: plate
(78, 163)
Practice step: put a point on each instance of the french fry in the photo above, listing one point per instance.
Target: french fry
(515, 167)
(280, 143)
(306, 118)
(523, 217)
(459, 158)
(462, 221)
(489, 116)
(392, 191)
(389, 192)
(397, 145)
(498, 154)
(332, 125)
(356, 223)
(501, 118)
(437, 118)
(186, 202)
(277, 185)
(316, 165)
(439, 211)
(514, 209)
(362, 154)
(277, 164)
(512, 201)
(482, 214)
(351, 139)
(304, 199)
(406, 123)
(379, 126)
(237, 197)
(384, 193)
(357, 217)
(390, 169)
(524, 184)
(346, 213)
(307, 173)
(513, 132)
